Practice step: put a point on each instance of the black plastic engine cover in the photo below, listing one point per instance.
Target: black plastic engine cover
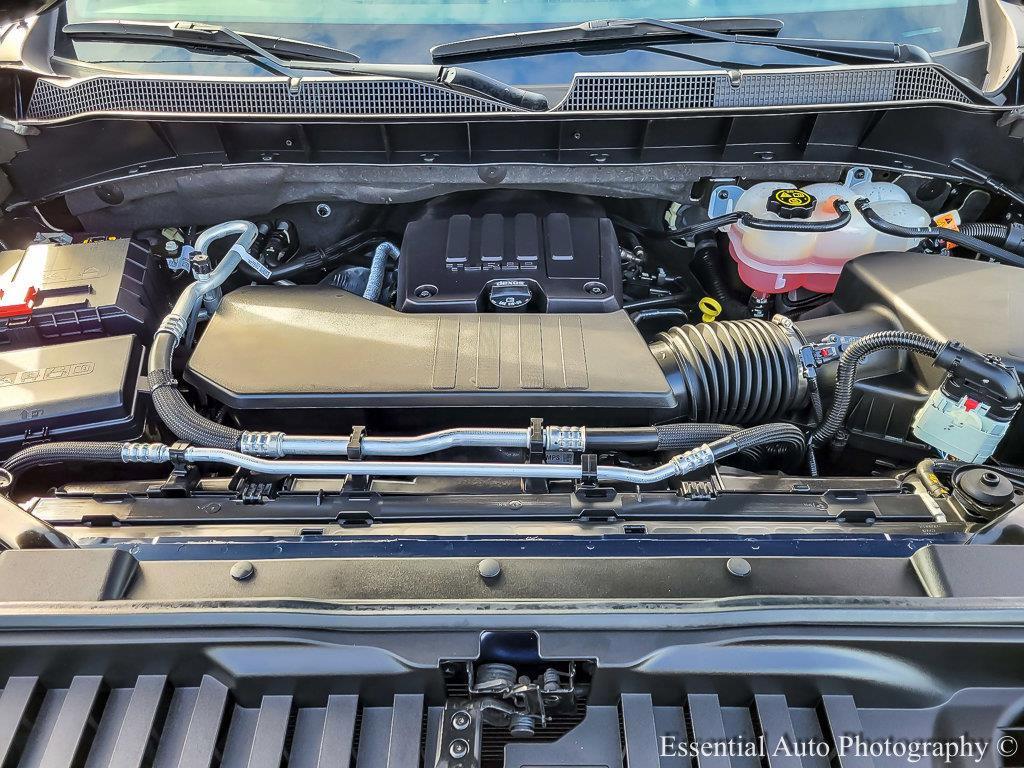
(508, 255)
(312, 346)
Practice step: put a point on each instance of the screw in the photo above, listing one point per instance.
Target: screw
(288, 142)
(859, 173)
(738, 567)
(461, 720)
(459, 748)
(489, 568)
(577, 135)
(243, 570)
(424, 294)
(723, 194)
(596, 289)
(323, 210)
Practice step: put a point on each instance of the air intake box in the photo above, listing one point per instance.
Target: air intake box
(269, 348)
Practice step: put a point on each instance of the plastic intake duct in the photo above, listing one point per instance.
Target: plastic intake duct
(732, 372)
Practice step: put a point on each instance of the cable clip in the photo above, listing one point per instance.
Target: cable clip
(816, 354)
(355, 444)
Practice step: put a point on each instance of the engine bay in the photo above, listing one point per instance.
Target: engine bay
(757, 329)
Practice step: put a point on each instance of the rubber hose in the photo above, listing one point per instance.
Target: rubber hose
(756, 437)
(926, 473)
(990, 232)
(654, 303)
(812, 461)
(685, 437)
(732, 372)
(675, 437)
(175, 412)
(842, 218)
(1009, 237)
(847, 370)
(707, 266)
(656, 313)
(285, 271)
(972, 243)
(315, 259)
(52, 453)
(375, 282)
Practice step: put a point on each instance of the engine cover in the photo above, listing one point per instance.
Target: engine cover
(270, 347)
(505, 257)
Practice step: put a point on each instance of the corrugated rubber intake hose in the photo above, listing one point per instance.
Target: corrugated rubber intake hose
(845, 375)
(731, 372)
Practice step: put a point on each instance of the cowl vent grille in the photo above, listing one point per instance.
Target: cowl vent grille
(54, 101)
(265, 98)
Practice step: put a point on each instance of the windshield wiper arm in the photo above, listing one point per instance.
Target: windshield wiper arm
(315, 58)
(741, 31)
(210, 37)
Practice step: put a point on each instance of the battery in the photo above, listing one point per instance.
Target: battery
(85, 388)
(51, 293)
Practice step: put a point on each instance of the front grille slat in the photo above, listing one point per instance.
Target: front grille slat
(15, 713)
(92, 722)
(136, 729)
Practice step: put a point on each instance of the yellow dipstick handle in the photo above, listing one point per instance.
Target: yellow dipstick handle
(711, 309)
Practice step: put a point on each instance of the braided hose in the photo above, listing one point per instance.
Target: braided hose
(55, 453)
(175, 412)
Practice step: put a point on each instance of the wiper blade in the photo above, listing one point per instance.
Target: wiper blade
(598, 32)
(618, 32)
(208, 37)
(317, 58)
(313, 57)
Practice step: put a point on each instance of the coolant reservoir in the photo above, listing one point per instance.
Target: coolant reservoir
(779, 262)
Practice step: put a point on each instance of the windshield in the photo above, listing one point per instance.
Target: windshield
(403, 31)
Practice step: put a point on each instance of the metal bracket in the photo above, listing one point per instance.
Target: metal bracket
(859, 174)
(536, 456)
(18, 128)
(184, 477)
(459, 743)
(723, 200)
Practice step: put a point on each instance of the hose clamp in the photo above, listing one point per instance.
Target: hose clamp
(689, 462)
(565, 439)
(145, 453)
(269, 444)
(174, 324)
(797, 341)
